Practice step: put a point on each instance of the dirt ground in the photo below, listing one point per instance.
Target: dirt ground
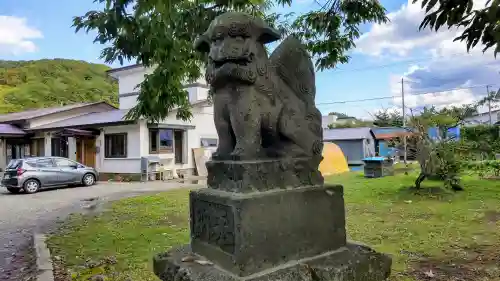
(470, 264)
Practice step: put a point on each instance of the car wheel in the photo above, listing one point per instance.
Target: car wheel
(88, 179)
(14, 190)
(31, 186)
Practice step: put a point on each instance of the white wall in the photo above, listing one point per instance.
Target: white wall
(130, 164)
(483, 118)
(197, 93)
(128, 102)
(72, 148)
(129, 79)
(327, 120)
(203, 120)
(204, 128)
(48, 144)
(138, 142)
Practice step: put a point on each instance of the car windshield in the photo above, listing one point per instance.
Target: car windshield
(14, 164)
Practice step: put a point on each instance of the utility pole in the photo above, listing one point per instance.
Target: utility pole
(489, 102)
(404, 117)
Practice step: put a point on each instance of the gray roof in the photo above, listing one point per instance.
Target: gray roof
(7, 129)
(30, 114)
(347, 134)
(132, 66)
(96, 118)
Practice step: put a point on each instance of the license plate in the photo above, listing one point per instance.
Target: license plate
(6, 176)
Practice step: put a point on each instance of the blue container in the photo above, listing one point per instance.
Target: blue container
(377, 167)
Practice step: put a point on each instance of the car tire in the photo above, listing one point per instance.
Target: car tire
(14, 190)
(31, 186)
(88, 179)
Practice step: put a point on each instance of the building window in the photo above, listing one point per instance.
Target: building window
(59, 147)
(115, 145)
(161, 141)
(208, 142)
(153, 141)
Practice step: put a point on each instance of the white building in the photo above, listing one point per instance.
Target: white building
(96, 134)
(332, 119)
(483, 118)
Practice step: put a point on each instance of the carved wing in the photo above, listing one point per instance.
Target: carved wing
(295, 67)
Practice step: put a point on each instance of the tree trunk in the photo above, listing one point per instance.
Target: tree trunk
(419, 180)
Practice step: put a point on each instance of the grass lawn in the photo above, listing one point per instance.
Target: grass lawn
(432, 234)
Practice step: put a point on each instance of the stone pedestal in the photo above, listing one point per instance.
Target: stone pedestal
(352, 262)
(248, 233)
(263, 175)
(249, 226)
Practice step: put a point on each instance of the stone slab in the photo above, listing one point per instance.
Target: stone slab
(263, 175)
(43, 259)
(350, 263)
(248, 233)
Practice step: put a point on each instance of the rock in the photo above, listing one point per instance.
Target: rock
(110, 260)
(97, 278)
(91, 264)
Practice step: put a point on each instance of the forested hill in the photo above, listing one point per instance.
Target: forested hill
(52, 82)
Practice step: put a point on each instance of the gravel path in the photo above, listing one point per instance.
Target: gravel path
(22, 214)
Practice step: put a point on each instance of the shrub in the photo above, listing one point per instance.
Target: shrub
(483, 168)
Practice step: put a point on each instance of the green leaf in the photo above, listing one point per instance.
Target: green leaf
(161, 33)
(479, 26)
(431, 5)
(441, 19)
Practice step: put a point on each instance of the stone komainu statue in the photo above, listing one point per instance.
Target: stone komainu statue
(263, 106)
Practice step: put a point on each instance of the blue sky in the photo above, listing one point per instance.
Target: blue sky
(428, 61)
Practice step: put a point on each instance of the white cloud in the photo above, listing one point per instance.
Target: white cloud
(450, 77)
(401, 35)
(16, 36)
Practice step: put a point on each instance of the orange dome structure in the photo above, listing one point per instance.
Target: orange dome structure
(334, 161)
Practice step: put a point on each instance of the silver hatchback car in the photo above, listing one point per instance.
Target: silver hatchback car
(34, 173)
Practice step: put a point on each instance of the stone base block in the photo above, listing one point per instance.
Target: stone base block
(263, 175)
(350, 263)
(249, 233)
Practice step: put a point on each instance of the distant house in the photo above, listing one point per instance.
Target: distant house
(383, 135)
(326, 120)
(483, 118)
(356, 143)
(98, 135)
(332, 119)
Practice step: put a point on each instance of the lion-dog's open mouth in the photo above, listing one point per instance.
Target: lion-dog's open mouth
(242, 61)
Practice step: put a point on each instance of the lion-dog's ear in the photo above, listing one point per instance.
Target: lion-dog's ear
(201, 44)
(268, 35)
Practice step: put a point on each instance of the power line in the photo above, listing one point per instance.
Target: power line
(411, 94)
(361, 100)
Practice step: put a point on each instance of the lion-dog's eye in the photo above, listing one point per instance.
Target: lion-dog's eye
(219, 36)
